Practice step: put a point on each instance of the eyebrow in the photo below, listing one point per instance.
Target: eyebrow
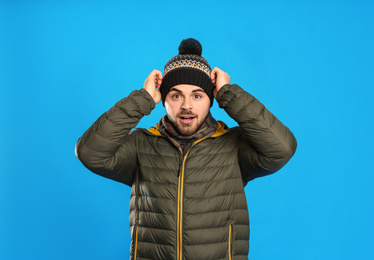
(193, 91)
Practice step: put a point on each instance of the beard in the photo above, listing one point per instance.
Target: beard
(187, 129)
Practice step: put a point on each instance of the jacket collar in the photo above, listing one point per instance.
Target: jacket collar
(222, 128)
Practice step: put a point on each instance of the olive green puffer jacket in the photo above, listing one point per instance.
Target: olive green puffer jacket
(192, 207)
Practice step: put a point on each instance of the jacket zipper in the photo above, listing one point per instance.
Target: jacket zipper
(180, 208)
(180, 202)
(136, 242)
(230, 242)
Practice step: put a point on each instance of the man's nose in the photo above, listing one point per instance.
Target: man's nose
(187, 104)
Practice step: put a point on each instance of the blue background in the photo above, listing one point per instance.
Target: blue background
(62, 64)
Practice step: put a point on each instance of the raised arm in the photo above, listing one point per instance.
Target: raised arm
(267, 144)
(108, 147)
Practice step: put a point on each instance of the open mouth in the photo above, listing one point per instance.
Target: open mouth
(186, 119)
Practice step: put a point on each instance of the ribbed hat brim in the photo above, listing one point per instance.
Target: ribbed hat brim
(187, 76)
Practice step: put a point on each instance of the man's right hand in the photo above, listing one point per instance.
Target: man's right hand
(152, 84)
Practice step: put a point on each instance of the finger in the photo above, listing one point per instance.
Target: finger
(213, 74)
(158, 78)
(160, 75)
(157, 73)
(158, 84)
(216, 70)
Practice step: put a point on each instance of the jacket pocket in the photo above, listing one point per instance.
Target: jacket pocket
(230, 242)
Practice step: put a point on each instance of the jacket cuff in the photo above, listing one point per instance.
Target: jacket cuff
(226, 93)
(148, 97)
(141, 99)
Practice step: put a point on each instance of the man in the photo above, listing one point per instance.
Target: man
(187, 173)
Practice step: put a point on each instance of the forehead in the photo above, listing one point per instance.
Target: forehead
(186, 88)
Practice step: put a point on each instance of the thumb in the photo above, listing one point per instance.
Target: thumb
(213, 76)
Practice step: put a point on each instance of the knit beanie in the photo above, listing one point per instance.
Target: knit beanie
(188, 67)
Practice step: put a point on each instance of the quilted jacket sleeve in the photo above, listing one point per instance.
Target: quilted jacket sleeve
(267, 144)
(108, 147)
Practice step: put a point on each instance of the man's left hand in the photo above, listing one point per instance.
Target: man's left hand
(219, 79)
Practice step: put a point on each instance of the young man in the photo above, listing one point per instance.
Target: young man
(187, 173)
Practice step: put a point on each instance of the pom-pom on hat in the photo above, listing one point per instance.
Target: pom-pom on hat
(188, 67)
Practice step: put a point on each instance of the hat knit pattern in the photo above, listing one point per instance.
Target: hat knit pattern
(188, 67)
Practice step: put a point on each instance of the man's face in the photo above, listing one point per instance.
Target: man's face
(187, 106)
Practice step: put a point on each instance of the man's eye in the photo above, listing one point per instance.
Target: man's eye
(176, 96)
(197, 96)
